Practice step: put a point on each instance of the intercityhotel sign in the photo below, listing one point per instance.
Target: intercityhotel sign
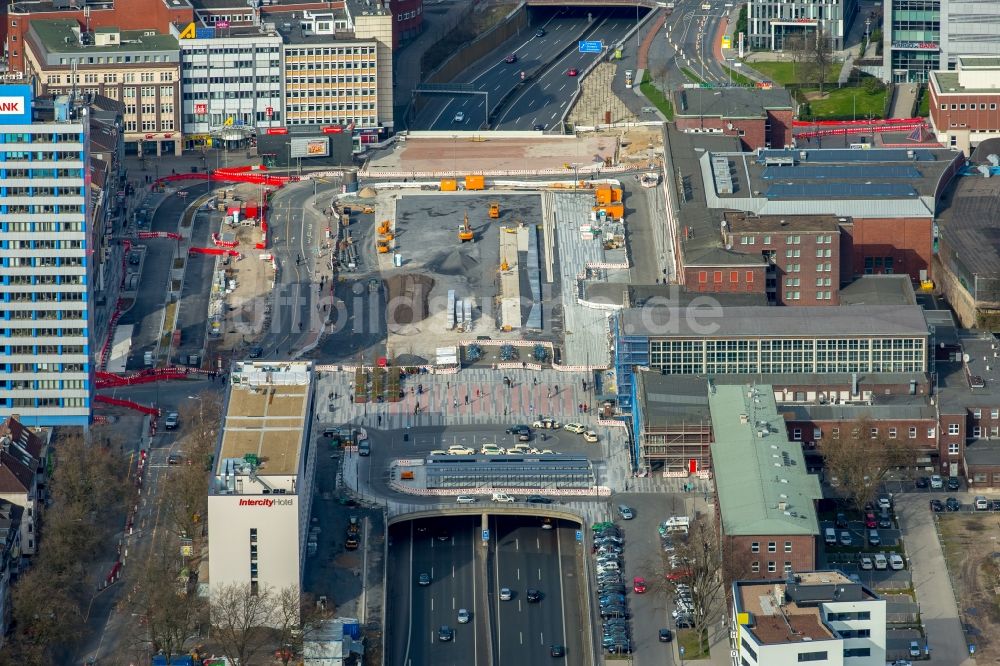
(267, 503)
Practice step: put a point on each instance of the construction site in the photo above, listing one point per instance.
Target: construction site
(470, 259)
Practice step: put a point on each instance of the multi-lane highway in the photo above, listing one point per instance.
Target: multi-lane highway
(463, 574)
(527, 557)
(546, 69)
(443, 549)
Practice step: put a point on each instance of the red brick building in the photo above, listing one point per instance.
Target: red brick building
(760, 118)
(764, 555)
(802, 254)
(965, 103)
(887, 246)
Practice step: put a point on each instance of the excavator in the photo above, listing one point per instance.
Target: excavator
(465, 231)
(384, 239)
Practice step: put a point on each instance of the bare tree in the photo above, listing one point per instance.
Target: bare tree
(168, 603)
(243, 619)
(811, 54)
(699, 565)
(861, 459)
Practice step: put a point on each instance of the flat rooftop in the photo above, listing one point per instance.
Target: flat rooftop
(760, 476)
(975, 383)
(745, 223)
(267, 415)
(63, 36)
(967, 221)
(788, 610)
(879, 290)
(672, 399)
(730, 102)
(795, 322)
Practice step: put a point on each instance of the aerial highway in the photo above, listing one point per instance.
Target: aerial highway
(693, 32)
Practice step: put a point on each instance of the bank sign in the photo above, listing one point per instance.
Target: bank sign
(15, 105)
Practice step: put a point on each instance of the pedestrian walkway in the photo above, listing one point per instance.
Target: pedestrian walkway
(904, 97)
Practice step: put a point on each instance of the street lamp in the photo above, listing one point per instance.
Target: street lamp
(201, 416)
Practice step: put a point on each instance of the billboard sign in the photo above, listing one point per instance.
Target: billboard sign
(313, 147)
(201, 109)
(15, 105)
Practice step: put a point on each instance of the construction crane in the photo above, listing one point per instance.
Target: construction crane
(494, 210)
(465, 231)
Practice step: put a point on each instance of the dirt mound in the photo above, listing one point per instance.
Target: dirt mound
(406, 299)
(456, 262)
(367, 193)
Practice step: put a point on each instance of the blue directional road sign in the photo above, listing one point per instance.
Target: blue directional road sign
(486, 535)
(591, 46)
(579, 536)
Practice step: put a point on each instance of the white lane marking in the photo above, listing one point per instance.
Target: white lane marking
(520, 637)
(539, 574)
(432, 604)
(546, 86)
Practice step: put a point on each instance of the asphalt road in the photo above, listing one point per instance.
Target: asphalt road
(544, 100)
(146, 313)
(527, 557)
(444, 550)
(694, 32)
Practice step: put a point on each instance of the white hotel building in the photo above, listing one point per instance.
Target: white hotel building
(261, 489)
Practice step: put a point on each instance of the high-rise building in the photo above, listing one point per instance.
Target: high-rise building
(922, 36)
(771, 22)
(50, 250)
(261, 489)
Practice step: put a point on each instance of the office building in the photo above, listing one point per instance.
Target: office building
(923, 36)
(50, 252)
(766, 497)
(964, 103)
(140, 68)
(813, 616)
(260, 493)
(771, 22)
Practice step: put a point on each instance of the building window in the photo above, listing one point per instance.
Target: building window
(749, 276)
(953, 449)
(913, 432)
(812, 656)
(767, 240)
(977, 413)
(857, 652)
(755, 567)
(797, 434)
(772, 546)
(703, 277)
(874, 433)
(772, 567)
(835, 433)
(977, 432)
(952, 428)
(788, 567)
(788, 546)
(931, 432)
(892, 433)
(817, 433)
(734, 276)
(755, 547)
(717, 277)
(995, 413)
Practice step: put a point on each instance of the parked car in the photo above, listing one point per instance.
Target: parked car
(914, 649)
(845, 538)
(896, 562)
(881, 562)
(639, 585)
(937, 506)
(953, 483)
(870, 520)
(575, 428)
(625, 512)
(841, 521)
(873, 538)
(866, 563)
(885, 501)
(952, 504)
(937, 483)
(590, 437)
(922, 482)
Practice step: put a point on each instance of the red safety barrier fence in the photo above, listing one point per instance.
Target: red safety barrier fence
(129, 404)
(865, 123)
(159, 234)
(213, 250)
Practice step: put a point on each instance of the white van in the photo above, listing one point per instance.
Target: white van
(830, 536)
(982, 504)
(880, 561)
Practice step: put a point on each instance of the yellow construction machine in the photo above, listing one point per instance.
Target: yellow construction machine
(465, 231)
(494, 210)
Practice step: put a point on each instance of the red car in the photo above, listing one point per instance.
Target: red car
(870, 521)
(571, 72)
(678, 574)
(639, 585)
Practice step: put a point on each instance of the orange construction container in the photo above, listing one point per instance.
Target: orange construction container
(475, 182)
(606, 194)
(449, 184)
(614, 210)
